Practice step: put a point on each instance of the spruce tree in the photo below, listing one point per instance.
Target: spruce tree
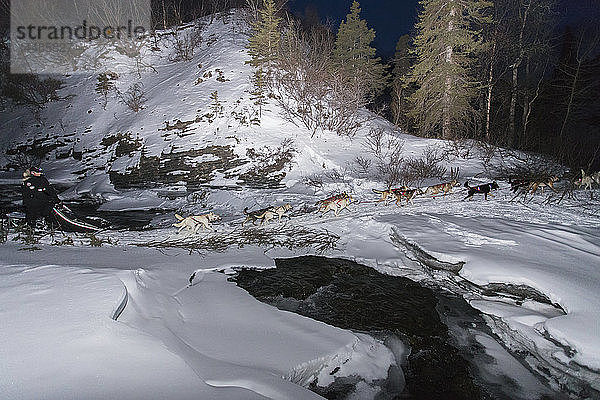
(258, 95)
(105, 85)
(446, 47)
(264, 43)
(401, 68)
(355, 56)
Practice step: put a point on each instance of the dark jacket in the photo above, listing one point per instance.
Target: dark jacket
(38, 195)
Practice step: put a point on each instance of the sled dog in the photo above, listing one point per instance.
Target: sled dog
(485, 189)
(536, 183)
(194, 222)
(253, 215)
(518, 183)
(409, 195)
(442, 187)
(388, 193)
(587, 180)
(270, 213)
(336, 203)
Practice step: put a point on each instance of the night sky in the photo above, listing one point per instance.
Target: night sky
(394, 18)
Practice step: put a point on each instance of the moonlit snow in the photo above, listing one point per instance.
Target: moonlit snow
(122, 321)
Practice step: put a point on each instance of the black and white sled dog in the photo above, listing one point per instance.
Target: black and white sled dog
(485, 189)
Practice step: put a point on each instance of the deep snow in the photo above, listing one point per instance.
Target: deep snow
(212, 340)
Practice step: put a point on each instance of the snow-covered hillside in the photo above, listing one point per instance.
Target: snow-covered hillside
(119, 322)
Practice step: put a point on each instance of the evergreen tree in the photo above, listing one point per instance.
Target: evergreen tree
(258, 95)
(216, 106)
(105, 85)
(355, 56)
(264, 43)
(401, 68)
(446, 48)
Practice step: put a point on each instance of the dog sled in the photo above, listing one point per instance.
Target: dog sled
(61, 218)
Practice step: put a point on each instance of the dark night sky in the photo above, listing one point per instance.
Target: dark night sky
(394, 18)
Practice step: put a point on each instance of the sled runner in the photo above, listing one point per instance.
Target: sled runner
(68, 221)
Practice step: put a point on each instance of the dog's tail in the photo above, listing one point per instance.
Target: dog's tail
(246, 211)
(179, 217)
(467, 185)
(377, 191)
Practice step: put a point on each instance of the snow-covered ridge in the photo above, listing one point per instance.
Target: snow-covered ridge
(176, 136)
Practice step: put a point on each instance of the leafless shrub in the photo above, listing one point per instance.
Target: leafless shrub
(334, 175)
(268, 164)
(416, 169)
(388, 156)
(31, 91)
(531, 166)
(314, 180)
(337, 177)
(292, 237)
(134, 97)
(393, 168)
(459, 148)
(390, 170)
(23, 160)
(309, 88)
(363, 165)
(487, 151)
(184, 41)
(374, 141)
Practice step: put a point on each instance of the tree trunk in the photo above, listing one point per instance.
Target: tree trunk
(571, 97)
(515, 77)
(488, 107)
(526, 102)
(164, 12)
(513, 102)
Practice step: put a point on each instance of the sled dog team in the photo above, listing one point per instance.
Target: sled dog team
(340, 201)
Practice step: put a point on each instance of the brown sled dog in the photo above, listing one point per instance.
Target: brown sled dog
(533, 184)
(270, 213)
(336, 203)
(442, 188)
(387, 194)
(399, 194)
(549, 182)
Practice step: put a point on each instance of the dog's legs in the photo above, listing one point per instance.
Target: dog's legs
(337, 211)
